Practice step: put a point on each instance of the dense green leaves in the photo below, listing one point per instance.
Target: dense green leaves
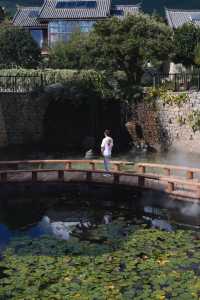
(126, 45)
(186, 39)
(116, 261)
(17, 48)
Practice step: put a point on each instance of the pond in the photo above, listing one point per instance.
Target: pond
(100, 244)
(62, 215)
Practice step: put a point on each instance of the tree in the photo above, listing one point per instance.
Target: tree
(186, 39)
(130, 44)
(70, 55)
(126, 45)
(18, 48)
(197, 55)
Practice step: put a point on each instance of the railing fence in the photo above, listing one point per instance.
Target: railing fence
(22, 83)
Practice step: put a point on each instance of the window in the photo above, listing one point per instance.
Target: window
(76, 4)
(195, 17)
(117, 12)
(37, 36)
(61, 30)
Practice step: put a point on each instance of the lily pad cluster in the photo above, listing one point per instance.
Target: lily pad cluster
(115, 261)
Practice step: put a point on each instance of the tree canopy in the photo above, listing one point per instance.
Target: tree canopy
(126, 45)
(18, 48)
(186, 40)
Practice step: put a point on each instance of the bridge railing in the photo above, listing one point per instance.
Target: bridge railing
(169, 170)
(64, 164)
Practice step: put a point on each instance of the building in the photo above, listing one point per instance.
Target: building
(177, 17)
(55, 20)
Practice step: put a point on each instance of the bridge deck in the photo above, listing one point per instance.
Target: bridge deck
(182, 186)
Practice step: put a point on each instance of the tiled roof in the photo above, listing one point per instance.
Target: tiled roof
(49, 10)
(123, 10)
(177, 17)
(27, 17)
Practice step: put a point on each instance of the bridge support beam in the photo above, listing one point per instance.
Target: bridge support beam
(34, 175)
(141, 180)
(61, 176)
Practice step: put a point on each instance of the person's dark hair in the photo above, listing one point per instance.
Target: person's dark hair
(107, 132)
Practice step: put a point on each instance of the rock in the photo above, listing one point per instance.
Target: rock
(89, 154)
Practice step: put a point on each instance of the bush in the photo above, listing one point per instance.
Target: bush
(18, 48)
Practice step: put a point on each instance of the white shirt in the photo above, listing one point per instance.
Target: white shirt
(107, 145)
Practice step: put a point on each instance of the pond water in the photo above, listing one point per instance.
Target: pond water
(63, 215)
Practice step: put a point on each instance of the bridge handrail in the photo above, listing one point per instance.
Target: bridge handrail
(66, 162)
(171, 183)
(167, 169)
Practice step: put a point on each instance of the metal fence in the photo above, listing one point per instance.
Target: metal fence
(20, 84)
(177, 82)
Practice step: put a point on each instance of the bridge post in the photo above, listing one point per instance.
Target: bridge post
(190, 175)
(142, 169)
(117, 167)
(170, 187)
(68, 165)
(93, 167)
(167, 171)
(61, 175)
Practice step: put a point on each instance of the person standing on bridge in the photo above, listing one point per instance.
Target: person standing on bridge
(106, 149)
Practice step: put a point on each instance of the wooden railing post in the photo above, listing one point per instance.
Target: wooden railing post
(190, 175)
(61, 175)
(142, 169)
(117, 167)
(68, 165)
(167, 171)
(34, 175)
(93, 165)
(170, 187)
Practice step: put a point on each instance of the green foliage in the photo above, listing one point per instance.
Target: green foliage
(17, 48)
(146, 264)
(186, 39)
(70, 55)
(167, 96)
(117, 45)
(194, 120)
(197, 55)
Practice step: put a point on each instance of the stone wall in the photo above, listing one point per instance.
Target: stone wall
(22, 121)
(161, 126)
(21, 118)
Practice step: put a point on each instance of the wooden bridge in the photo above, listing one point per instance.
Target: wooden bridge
(178, 182)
